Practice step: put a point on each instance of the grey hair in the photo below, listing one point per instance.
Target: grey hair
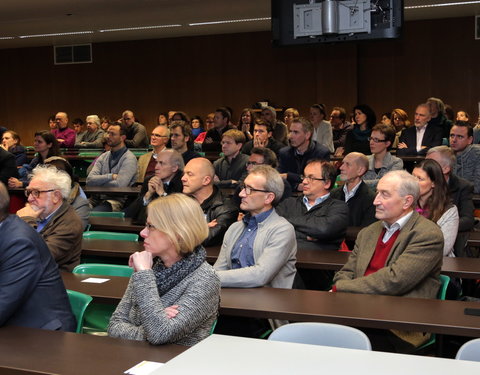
(271, 109)
(408, 184)
(446, 155)
(274, 182)
(164, 127)
(175, 158)
(94, 118)
(57, 179)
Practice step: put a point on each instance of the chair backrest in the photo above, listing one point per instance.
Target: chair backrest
(119, 214)
(322, 334)
(442, 292)
(470, 351)
(99, 235)
(104, 269)
(79, 303)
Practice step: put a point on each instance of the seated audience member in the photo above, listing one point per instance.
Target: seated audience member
(213, 138)
(31, 289)
(340, 128)
(386, 118)
(105, 122)
(294, 158)
(289, 115)
(438, 116)
(11, 142)
(260, 249)
(182, 140)
(180, 116)
(434, 202)
(77, 197)
(400, 121)
(357, 138)
(49, 212)
(136, 134)
(399, 255)
(114, 168)
(262, 156)
(197, 127)
(246, 123)
(322, 130)
(462, 116)
(381, 161)
(461, 193)
(93, 137)
(230, 169)
(45, 145)
(8, 167)
(64, 135)
(417, 139)
(166, 180)
(468, 155)
(78, 128)
(355, 192)
(173, 295)
(2, 130)
(320, 222)
(219, 211)
(209, 124)
(147, 162)
(280, 131)
(162, 119)
(262, 137)
(51, 123)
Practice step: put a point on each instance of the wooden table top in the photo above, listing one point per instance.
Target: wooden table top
(313, 259)
(358, 310)
(66, 353)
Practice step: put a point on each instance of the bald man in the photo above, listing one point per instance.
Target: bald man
(136, 133)
(219, 211)
(65, 135)
(358, 196)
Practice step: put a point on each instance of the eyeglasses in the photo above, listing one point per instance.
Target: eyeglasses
(253, 163)
(36, 193)
(156, 135)
(249, 189)
(376, 140)
(310, 179)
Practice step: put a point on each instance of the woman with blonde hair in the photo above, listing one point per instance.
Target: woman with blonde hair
(400, 121)
(173, 294)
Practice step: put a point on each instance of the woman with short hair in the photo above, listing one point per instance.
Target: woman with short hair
(174, 294)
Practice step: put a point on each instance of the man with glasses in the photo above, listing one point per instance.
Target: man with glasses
(260, 249)
(114, 168)
(182, 140)
(65, 135)
(320, 222)
(93, 137)
(147, 162)
(381, 161)
(136, 132)
(358, 196)
(468, 155)
(31, 289)
(52, 216)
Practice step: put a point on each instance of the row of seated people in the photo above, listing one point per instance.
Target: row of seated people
(173, 294)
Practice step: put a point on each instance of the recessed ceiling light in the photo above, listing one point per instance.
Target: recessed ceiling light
(55, 34)
(442, 5)
(139, 28)
(229, 21)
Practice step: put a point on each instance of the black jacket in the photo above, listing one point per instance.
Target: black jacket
(431, 138)
(272, 144)
(326, 222)
(138, 212)
(8, 166)
(361, 211)
(217, 207)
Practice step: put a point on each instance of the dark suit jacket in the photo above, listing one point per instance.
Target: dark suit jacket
(8, 166)
(31, 289)
(431, 138)
(138, 212)
(361, 211)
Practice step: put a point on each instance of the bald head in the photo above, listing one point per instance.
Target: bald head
(61, 119)
(198, 178)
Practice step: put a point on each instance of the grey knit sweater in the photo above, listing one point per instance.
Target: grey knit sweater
(140, 314)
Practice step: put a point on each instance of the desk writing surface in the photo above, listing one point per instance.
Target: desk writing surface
(69, 353)
(110, 291)
(115, 224)
(238, 355)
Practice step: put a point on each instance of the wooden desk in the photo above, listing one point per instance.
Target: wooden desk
(114, 224)
(65, 353)
(358, 310)
(474, 239)
(111, 190)
(468, 268)
(282, 358)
